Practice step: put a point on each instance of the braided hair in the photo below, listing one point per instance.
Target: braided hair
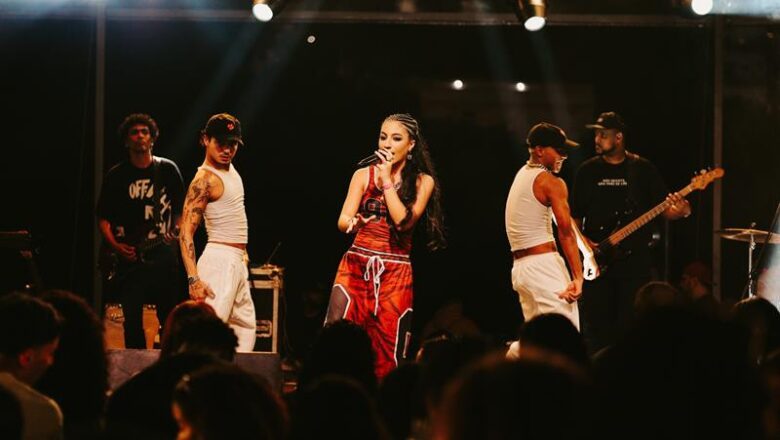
(421, 163)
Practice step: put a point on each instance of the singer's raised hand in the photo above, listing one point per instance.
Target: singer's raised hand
(358, 222)
(384, 167)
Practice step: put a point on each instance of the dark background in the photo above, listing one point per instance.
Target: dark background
(310, 111)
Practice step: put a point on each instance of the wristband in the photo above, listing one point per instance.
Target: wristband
(192, 280)
(387, 186)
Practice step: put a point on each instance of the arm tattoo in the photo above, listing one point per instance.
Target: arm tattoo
(198, 195)
(191, 249)
(194, 207)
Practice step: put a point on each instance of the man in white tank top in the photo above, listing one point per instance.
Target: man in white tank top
(539, 274)
(216, 194)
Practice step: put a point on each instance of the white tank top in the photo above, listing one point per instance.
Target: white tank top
(226, 217)
(528, 222)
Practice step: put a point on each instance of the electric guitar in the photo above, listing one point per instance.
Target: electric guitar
(113, 266)
(608, 250)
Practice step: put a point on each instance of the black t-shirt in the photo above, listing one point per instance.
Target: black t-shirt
(605, 194)
(127, 199)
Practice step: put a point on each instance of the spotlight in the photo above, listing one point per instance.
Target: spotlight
(694, 8)
(457, 84)
(533, 13)
(265, 10)
(701, 7)
(262, 10)
(521, 87)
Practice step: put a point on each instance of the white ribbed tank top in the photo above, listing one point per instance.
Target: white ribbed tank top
(226, 217)
(528, 222)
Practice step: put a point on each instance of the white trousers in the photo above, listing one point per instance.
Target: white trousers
(222, 268)
(538, 279)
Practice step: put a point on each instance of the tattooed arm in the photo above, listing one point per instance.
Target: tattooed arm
(202, 190)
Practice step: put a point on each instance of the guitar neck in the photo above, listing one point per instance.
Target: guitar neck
(643, 219)
(153, 243)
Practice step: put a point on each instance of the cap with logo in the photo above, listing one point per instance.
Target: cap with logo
(545, 134)
(224, 128)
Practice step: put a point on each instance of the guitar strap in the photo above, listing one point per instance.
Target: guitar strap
(633, 192)
(157, 194)
(156, 190)
(633, 182)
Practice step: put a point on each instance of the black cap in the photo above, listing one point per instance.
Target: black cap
(544, 134)
(224, 127)
(608, 120)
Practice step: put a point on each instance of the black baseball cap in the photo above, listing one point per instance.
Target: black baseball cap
(224, 128)
(608, 120)
(545, 134)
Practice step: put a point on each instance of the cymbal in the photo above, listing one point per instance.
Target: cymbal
(744, 234)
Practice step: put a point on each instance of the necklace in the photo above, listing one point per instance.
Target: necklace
(536, 165)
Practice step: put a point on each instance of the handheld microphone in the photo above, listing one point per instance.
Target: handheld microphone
(370, 160)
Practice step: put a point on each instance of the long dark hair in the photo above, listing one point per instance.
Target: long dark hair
(421, 163)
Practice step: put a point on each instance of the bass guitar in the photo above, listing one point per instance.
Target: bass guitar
(608, 250)
(113, 266)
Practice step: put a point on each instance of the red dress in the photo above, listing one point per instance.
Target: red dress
(373, 286)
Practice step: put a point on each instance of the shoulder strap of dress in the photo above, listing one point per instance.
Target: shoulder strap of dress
(371, 183)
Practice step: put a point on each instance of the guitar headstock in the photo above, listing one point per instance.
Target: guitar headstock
(705, 177)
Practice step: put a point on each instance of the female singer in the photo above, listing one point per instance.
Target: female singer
(373, 286)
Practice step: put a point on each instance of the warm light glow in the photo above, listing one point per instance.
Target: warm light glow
(521, 87)
(457, 84)
(535, 23)
(262, 12)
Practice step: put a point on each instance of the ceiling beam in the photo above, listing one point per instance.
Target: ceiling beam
(291, 15)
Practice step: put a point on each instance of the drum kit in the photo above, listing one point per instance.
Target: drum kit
(752, 237)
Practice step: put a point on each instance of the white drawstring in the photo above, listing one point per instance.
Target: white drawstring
(377, 266)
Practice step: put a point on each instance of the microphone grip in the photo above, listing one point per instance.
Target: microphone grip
(370, 160)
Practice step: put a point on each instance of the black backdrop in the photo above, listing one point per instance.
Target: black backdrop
(311, 110)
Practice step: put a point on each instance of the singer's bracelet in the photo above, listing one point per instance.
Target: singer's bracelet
(387, 186)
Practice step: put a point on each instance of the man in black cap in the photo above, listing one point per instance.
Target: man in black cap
(216, 194)
(539, 274)
(138, 215)
(620, 182)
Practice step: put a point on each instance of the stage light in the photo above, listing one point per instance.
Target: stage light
(262, 10)
(533, 13)
(457, 84)
(521, 87)
(701, 7)
(311, 39)
(407, 6)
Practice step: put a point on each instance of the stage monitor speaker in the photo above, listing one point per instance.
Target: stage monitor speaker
(126, 363)
(267, 287)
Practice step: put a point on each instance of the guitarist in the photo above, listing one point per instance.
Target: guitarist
(612, 188)
(140, 203)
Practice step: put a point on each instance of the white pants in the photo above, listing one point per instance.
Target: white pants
(538, 279)
(222, 268)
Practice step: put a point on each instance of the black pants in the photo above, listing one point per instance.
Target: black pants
(607, 308)
(159, 281)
